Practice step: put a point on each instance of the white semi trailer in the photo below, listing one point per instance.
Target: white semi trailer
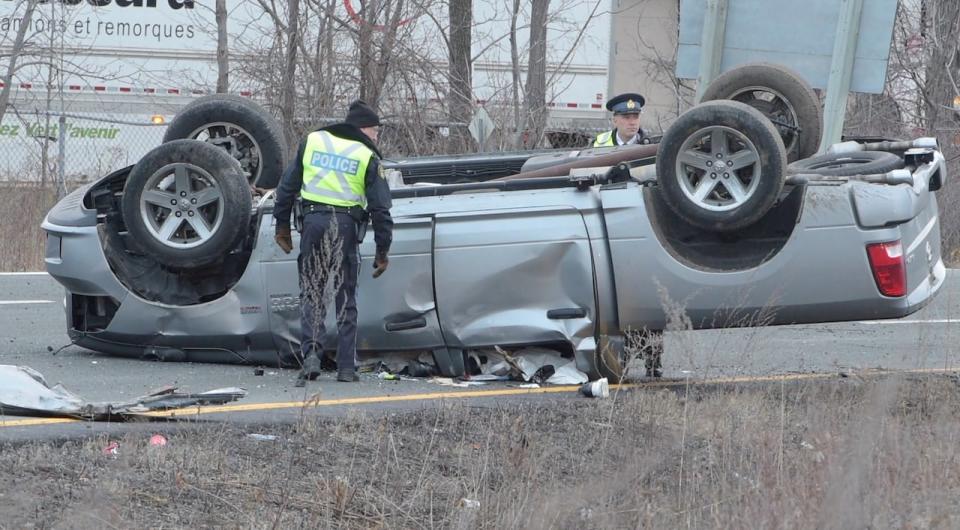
(121, 65)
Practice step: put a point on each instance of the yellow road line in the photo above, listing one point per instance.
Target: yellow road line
(34, 421)
(494, 392)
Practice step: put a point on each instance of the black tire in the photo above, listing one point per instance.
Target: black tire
(782, 96)
(256, 139)
(737, 196)
(213, 201)
(611, 364)
(847, 164)
(614, 357)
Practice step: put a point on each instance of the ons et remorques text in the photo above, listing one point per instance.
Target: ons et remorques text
(77, 24)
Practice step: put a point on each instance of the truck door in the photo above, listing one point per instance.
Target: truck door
(395, 312)
(514, 276)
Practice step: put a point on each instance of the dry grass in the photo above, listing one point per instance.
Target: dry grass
(22, 242)
(846, 453)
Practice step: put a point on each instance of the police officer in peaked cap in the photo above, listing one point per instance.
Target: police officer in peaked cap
(626, 121)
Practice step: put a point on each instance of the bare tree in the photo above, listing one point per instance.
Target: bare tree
(919, 94)
(375, 51)
(15, 54)
(941, 24)
(223, 60)
(535, 97)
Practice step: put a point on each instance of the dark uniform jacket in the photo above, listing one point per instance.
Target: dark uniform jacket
(377, 191)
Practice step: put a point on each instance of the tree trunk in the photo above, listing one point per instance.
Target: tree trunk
(368, 56)
(385, 51)
(326, 61)
(535, 97)
(515, 72)
(15, 51)
(288, 104)
(223, 62)
(460, 96)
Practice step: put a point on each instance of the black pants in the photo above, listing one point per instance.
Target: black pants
(329, 263)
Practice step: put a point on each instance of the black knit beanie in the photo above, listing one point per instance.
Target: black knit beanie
(361, 115)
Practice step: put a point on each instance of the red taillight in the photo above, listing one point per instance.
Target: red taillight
(886, 261)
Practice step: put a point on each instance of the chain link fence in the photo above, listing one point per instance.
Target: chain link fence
(44, 156)
(68, 150)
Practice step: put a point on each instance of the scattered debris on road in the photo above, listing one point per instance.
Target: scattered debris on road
(537, 365)
(25, 392)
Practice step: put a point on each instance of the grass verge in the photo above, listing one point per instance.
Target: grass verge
(22, 242)
(844, 453)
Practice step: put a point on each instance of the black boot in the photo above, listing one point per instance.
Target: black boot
(348, 376)
(311, 367)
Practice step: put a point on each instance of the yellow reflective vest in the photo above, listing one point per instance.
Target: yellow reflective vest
(604, 139)
(334, 170)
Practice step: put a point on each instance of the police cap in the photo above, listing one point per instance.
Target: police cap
(629, 103)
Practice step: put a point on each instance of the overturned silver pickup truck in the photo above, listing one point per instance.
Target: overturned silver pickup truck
(582, 251)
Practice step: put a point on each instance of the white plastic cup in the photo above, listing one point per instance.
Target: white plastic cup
(599, 388)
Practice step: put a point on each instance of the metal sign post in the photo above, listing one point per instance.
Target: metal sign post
(714, 26)
(841, 71)
(61, 157)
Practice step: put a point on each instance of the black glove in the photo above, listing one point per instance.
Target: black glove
(284, 239)
(380, 262)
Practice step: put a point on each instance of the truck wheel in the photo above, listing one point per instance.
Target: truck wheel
(847, 164)
(186, 203)
(613, 356)
(240, 127)
(782, 96)
(721, 165)
(611, 362)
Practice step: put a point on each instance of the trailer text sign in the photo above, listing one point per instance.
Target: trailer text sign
(111, 24)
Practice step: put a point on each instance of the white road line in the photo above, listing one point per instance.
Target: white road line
(25, 302)
(929, 321)
(41, 273)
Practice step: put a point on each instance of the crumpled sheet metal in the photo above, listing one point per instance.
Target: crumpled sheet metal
(25, 392)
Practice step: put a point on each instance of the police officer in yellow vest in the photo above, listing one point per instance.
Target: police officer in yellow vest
(626, 121)
(338, 175)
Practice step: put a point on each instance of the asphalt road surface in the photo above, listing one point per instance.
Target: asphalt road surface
(32, 333)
